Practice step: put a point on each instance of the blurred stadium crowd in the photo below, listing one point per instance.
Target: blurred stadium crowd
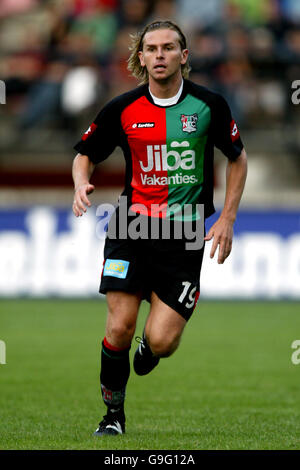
(61, 60)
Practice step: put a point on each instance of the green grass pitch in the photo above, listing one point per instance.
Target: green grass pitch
(230, 385)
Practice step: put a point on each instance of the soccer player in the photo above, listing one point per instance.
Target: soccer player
(167, 128)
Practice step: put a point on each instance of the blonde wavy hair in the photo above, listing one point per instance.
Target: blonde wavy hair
(134, 64)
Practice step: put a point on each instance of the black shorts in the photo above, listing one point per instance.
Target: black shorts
(161, 266)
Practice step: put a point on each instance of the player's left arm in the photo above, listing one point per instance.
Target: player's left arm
(222, 230)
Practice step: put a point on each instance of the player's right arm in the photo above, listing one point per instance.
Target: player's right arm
(82, 170)
(95, 145)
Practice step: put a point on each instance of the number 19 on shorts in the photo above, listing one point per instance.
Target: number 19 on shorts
(186, 295)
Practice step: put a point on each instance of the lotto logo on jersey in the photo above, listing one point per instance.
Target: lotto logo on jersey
(234, 132)
(159, 159)
(142, 125)
(116, 268)
(89, 131)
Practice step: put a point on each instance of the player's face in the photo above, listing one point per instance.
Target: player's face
(162, 54)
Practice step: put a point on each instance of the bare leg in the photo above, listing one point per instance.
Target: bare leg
(121, 319)
(164, 327)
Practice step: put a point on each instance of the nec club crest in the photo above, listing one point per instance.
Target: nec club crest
(89, 131)
(189, 122)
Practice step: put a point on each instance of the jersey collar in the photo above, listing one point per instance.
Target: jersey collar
(181, 98)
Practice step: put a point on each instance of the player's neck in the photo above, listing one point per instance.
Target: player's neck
(165, 89)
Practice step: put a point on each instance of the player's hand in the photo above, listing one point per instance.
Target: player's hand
(80, 198)
(222, 234)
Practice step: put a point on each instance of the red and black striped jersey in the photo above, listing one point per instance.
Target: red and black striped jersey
(169, 151)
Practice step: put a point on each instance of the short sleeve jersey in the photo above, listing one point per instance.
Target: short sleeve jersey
(169, 151)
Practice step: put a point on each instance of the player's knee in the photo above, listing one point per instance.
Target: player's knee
(161, 346)
(122, 332)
